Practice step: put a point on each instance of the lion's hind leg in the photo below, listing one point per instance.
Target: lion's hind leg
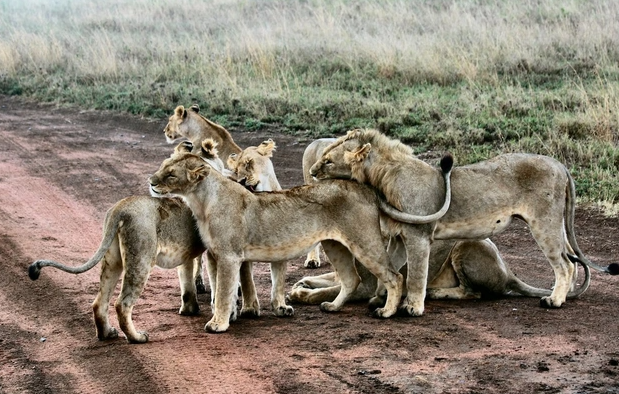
(139, 258)
(552, 240)
(343, 263)
(111, 269)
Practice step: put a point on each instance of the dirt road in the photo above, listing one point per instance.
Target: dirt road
(60, 170)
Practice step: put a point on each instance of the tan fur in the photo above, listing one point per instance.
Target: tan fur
(486, 196)
(140, 232)
(278, 226)
(190, 124)
(253, 169)
(457, 270)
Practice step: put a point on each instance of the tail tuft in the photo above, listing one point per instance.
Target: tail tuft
(447, 162)
(34, 270)
(613, 269)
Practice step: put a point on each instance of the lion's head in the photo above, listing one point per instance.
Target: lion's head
(178, 174)
(253, 167)
(345, 158)
(208, 151)
(177, 123)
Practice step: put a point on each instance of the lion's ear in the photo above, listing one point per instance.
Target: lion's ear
(209, 150)
(266, 148)
(232, 159)
(358, 155)
(183, 147)
(195, 108)
(249, 165)
(198, 173)
(180, 111)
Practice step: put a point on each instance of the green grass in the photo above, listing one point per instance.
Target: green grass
(473, 77)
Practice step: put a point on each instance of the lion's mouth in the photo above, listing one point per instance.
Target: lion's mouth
(154, 192)
(251, 188)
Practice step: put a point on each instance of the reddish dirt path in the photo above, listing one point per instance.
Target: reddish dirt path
(61, 170)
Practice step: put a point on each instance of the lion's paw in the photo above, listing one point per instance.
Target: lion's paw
(382, 313)
(283, 311)
(329, 307)
(301, 285)
(189, 309)
(250, 312)
(412, 311)
(112, 333)
(376, 302)
(214, 327)
(547, 302)
(312, 264)
(142, 337)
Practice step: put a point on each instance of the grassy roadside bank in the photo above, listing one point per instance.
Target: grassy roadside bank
(473, 77)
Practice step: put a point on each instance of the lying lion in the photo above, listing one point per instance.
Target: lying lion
(458, 270)
(486, 197)
(240, 226)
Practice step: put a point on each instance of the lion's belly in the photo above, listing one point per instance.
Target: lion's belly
(281, 249)
(478, 228)
(171, 256)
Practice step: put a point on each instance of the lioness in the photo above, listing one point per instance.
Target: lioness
(196, 128)
(240, 226)
(486, 196)
(139, 232)
(457, 270)
(253, 168)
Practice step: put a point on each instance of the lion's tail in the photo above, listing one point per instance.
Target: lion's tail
(522, 288)
(110, 227)
(570, 209)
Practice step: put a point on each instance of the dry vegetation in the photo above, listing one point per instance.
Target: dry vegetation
(474, 77)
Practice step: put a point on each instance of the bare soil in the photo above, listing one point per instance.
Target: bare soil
(60, 170)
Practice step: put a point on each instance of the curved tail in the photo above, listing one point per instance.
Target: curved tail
(34, 270)
(396, 214)
(570, 209)
(526, 290)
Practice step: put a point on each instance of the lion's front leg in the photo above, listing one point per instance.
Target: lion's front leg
(189, 296)
(251, 306)
(343, 263)
(278, 290)
(228, 272)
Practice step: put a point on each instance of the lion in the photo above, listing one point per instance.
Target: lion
(457, 270)
(311, 154)
(138, 233)
(240, 226)
(485, 198)
(190, 124)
